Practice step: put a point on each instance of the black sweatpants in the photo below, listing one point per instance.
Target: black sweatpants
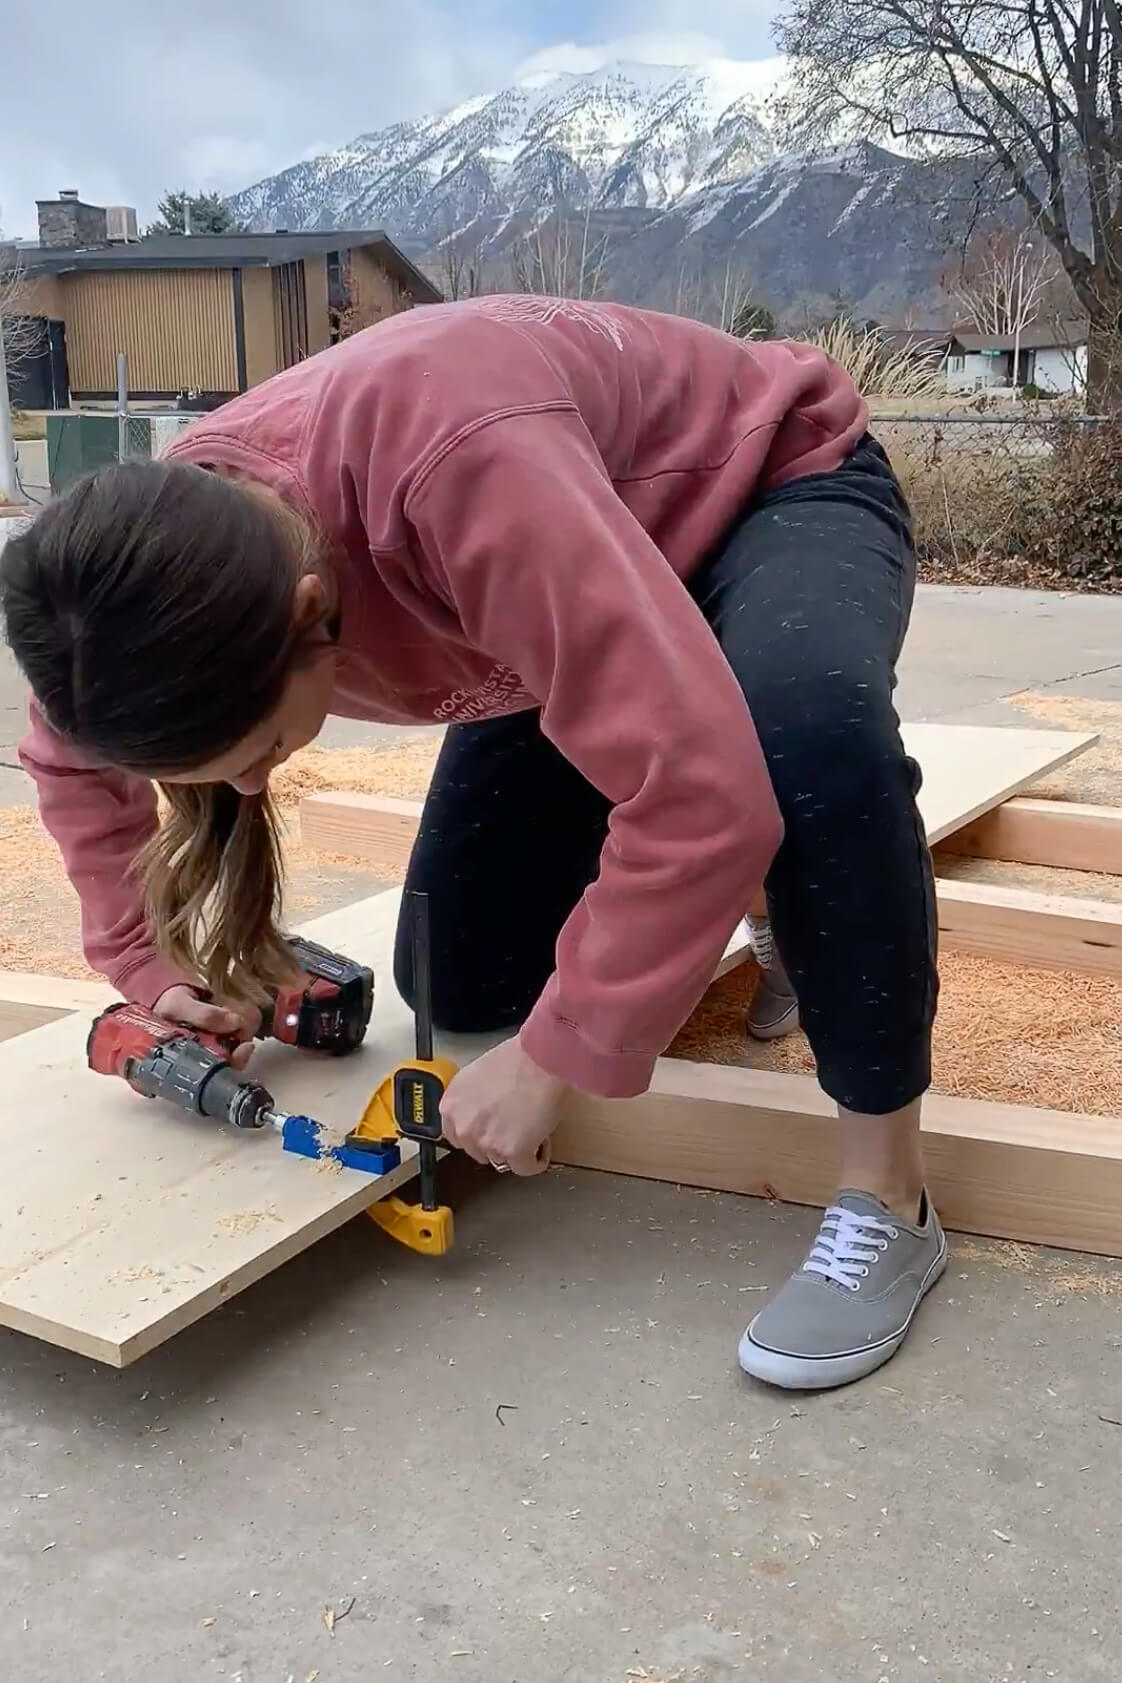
(809, 597)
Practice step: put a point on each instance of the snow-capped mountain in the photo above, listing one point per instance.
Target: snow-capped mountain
(688, 190)
(627, 135)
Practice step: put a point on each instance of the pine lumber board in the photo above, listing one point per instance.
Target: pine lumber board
(28, 1001)
(1050, 931)
(379, 828)
(1007, 1171)
(967, 770)
(1065, 834)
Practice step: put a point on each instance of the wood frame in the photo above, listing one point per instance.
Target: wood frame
(1053, 931)
(1050, 930)
(1003, 1170)
(378, 828)
(956, 790)
(1009, 1171)
(1064, 834)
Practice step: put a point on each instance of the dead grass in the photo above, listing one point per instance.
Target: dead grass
(26, 427)
(1009, 505)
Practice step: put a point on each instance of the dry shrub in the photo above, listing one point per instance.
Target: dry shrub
(1036, 502)
(1076, 525)
(876, 367)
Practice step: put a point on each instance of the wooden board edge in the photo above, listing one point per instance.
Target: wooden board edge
(1020, 926)
(122, 1353)
(1005, 1171)
(378, 829)
(1066, 835)
(1081, 742)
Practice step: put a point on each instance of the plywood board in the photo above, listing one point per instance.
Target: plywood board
(28, 1001)
(122, 1221)
(967, 770)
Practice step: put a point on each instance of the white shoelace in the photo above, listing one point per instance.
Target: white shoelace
(760, 940)
(847, 1246)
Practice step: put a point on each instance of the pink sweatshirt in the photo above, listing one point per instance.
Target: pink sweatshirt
(515, 489)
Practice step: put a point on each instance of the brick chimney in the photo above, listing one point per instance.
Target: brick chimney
(68, 222)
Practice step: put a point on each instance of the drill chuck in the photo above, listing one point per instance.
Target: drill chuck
(192, 1077)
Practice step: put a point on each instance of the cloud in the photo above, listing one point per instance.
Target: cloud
(220, 92)
(153, 95)
(647, 47)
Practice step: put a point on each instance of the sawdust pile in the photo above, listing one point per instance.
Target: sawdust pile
(1096, 776)
(1045, 1038)
(402, 770)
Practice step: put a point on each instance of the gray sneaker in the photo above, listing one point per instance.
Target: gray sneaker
(774, 1010)
(849, 1307)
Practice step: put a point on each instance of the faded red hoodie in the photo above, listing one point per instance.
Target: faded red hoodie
(515, 488)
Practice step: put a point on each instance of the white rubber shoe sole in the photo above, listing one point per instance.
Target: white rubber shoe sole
(823, 1373)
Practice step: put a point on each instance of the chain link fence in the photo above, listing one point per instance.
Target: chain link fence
(1032, 498)
(134, 441)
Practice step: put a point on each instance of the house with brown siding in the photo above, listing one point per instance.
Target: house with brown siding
(202, 314)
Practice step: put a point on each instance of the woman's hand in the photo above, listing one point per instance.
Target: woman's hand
(183, 1005)
(502, 1109)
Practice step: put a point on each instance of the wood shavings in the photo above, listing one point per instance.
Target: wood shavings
(1097, 776)
(403, 770)
(246, 1221)
(333, 1616)
(1003, 1032)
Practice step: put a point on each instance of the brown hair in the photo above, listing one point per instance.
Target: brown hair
(151, 610)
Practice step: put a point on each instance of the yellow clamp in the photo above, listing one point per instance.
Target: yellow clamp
(430, 1232)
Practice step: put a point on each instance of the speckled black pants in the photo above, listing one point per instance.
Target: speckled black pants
(809, 597)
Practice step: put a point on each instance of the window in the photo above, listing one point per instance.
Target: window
(957, 364)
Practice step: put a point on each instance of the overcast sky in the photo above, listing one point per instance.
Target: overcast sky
(124, 98)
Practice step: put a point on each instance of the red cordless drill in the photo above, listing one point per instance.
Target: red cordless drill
(188, 1069)
(326, 1009)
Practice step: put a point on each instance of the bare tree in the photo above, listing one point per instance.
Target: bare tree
(1031, 88)
(462, 270)
(560, 257)
(1002, 286)
(725, 298)
(23, 332)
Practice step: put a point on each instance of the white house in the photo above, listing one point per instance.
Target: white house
(1052, 356)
